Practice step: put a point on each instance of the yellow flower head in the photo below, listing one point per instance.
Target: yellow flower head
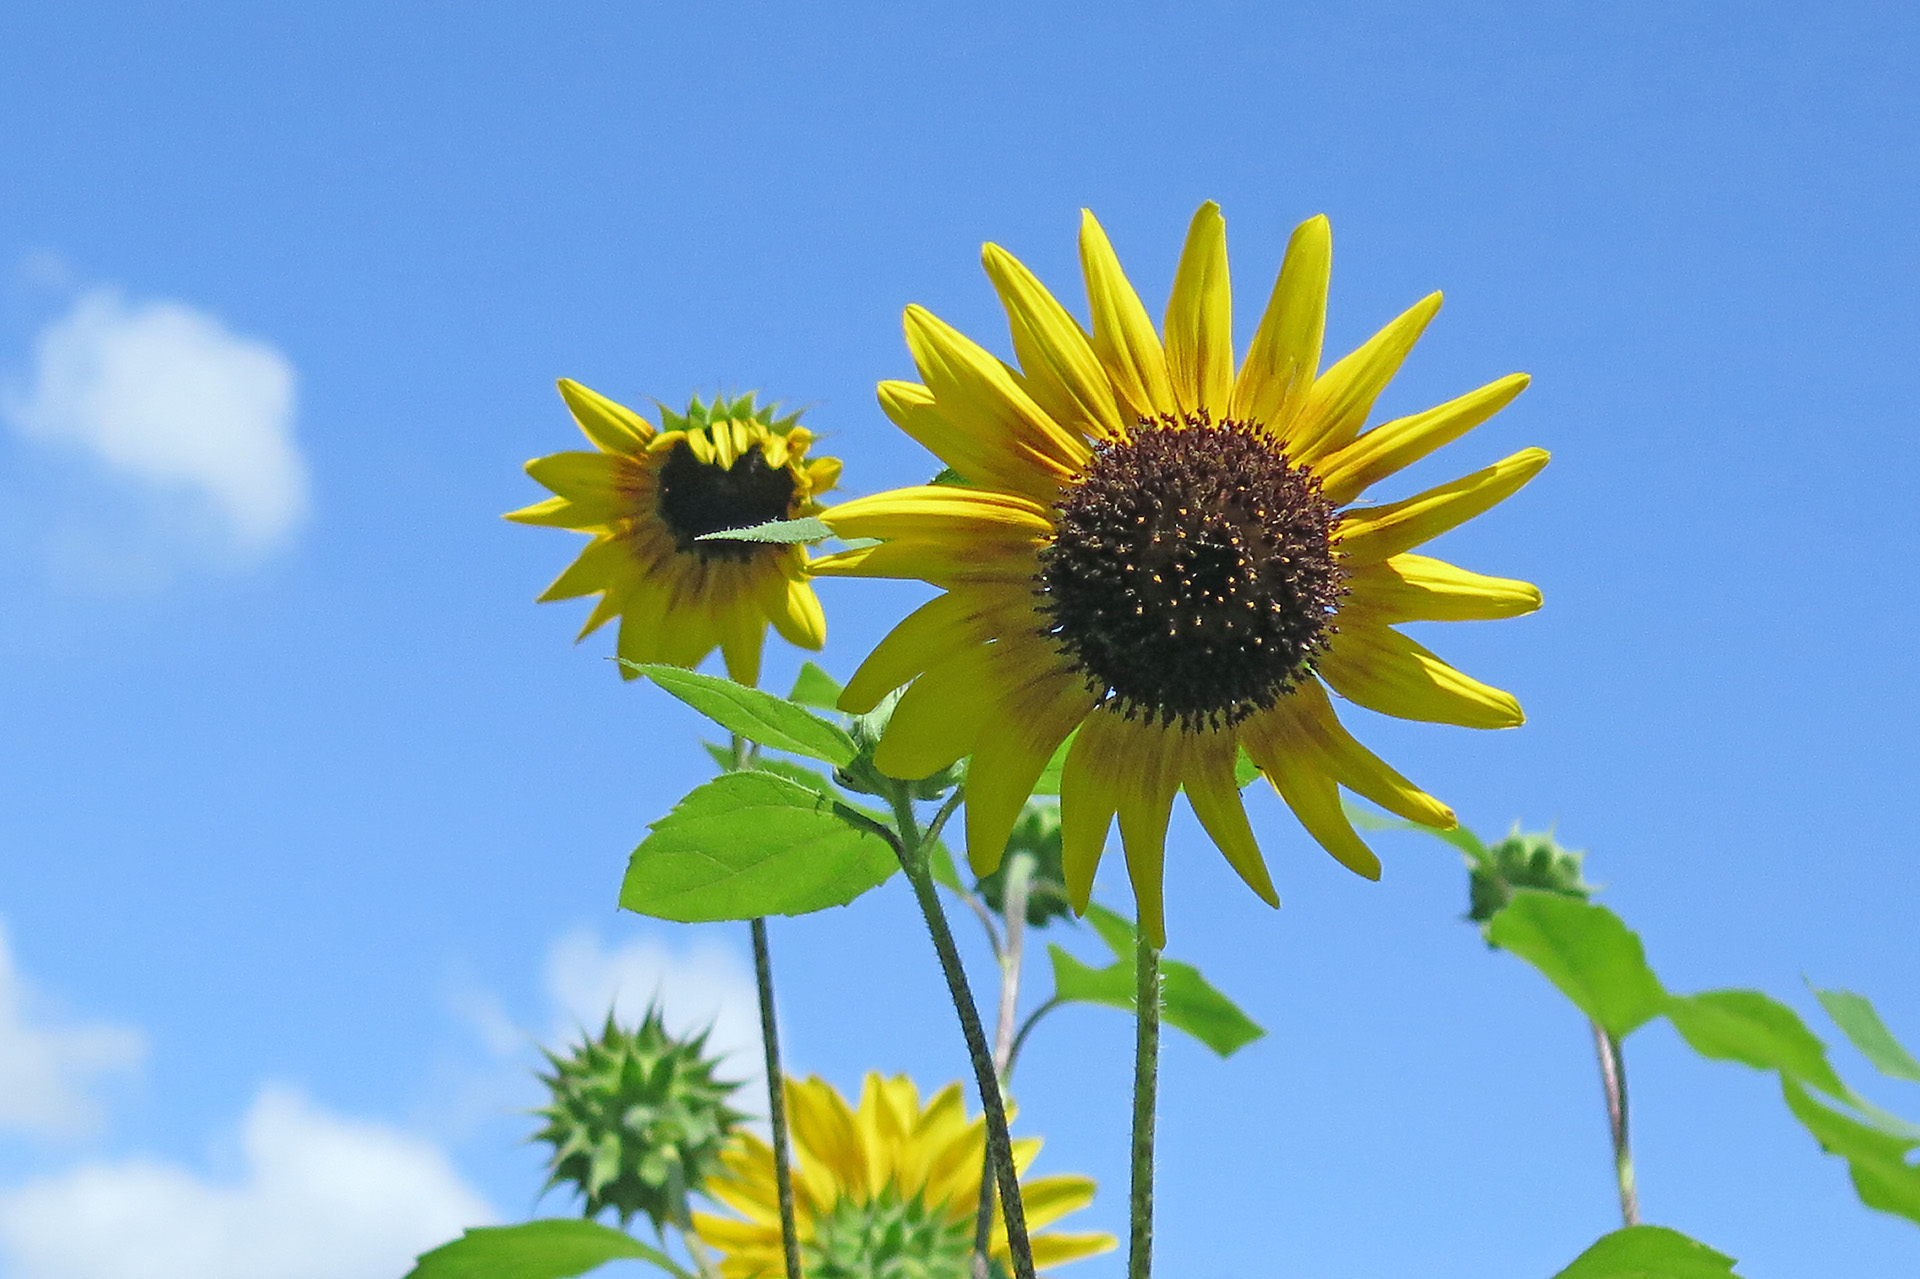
(888, 1188)
(647, 494)
(1157, 549)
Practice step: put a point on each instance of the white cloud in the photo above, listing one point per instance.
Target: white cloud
(320, 1197)
(48, 1068)
(708, 984)
(165, 395)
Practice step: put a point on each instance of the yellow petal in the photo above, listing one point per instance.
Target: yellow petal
(1307, 720)
(558, 512)
(1048, 1199)
(977, 392)
(1033, 719)
(823, 473)
(1123, 336)
(643, 615)
(1284, 356)
(1369, 534)
(1058, 1247)
(604, 563)
(1384, 671)
(1341, 398)
(941, 511)
(1147, 788)
(1313, 797)
(743, 636)
(943, 562)
(988, 458)
(612, 427)
(1200, 318)
(823, 1123)
(1415, 588)
(600, 485)
(1089, 797)
(930, 634)
(795, 612)
(1404, 441)
(1214, 795)
(1062, 372)
(940, 715)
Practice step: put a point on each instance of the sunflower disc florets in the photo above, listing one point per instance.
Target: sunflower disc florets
(637, 1120)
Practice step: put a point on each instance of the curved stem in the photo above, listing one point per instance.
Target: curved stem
(1146, 1084)
(999, 1145)
(1026, 1028)
(1613, 1078)
(776, 1099)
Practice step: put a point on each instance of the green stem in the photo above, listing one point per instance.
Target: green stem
(999, 1143)
(776, 1099)
(1146, 1084)
(1613, 1078)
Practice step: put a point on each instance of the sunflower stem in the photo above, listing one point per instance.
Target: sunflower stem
(1613, 1078)
(776, 1098)
(1146, 1085)
(1014, 908)
(914, 862)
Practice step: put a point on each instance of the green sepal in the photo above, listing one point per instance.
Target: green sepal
(1036, 833)
(1188, 1002)
(550, 1248)
(774, 722)
(752, 843)
(1649, 1252)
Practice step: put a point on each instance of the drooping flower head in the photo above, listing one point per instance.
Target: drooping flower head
(1155, 550)
(648, 494)
(883, 1191)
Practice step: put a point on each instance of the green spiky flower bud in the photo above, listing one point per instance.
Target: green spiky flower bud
(637, 1121)
(1523, 860)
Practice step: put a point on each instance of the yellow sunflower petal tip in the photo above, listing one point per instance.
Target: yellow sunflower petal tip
(1170, 652)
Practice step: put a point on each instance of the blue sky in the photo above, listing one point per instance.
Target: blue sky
(314, 820)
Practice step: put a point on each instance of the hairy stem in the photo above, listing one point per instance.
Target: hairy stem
(1013, 906)
(1613, 1078)
(1146, 1084)
(776, 1099)
(999, 1145)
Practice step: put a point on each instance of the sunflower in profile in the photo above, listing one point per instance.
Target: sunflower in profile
(1156, 552)
(888, 1189)
(648, 494)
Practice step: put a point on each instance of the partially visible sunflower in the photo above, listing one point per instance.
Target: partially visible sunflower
(885, 1191)
(648, 493)
(1158, 551)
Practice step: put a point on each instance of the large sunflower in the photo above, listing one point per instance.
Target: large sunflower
(887, 1189)
(1158, 551)
(648, 494)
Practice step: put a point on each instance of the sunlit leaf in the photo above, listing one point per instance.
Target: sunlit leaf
(552, 1248)
(1049, 783)
(1858, 1021)
(1460, 837)
(752, 843)
(761, 717)
(807, 529)
(1187, 1001)
(1882, 1175)
(1649, 1252)
(1583, 949)
(1755, 1030)
(814, 687)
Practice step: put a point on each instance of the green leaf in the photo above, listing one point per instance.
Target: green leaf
(551, 1248)
(1586, 951)
(1049, 783)
(814, 687)
(808, 529)
(1649, 1252)
(1858, 1021)
(749, 844)
(1754, 1030)
(950, 477)
(1882, 1175)
(1460, 837)
(761, 717)
(1187, 1001)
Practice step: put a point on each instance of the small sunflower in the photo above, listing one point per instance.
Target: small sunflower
(647, 494)
(1156, 549)
(884, 1191)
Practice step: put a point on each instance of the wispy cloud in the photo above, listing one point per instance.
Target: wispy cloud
(320, 1197)
(165, 397)
(706, 984)
(49, 1068)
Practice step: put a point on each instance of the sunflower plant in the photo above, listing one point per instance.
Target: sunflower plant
(1157, 566)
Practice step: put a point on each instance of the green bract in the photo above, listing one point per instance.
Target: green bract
(637, 1121)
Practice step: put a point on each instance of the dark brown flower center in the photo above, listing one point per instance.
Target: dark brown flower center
(696, 498)
(1193, 576)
